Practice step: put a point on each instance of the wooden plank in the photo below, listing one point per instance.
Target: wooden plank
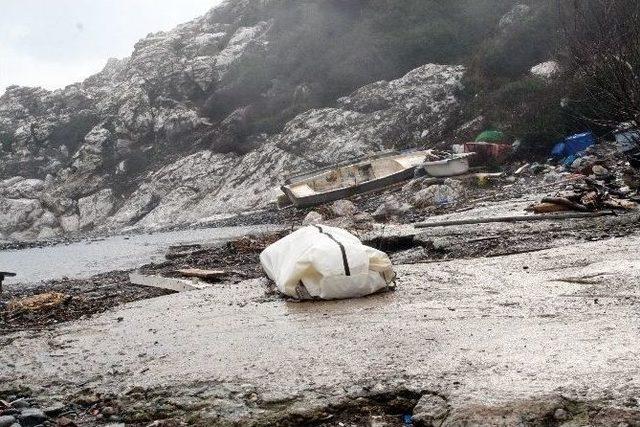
(168, 283)
(202, 274)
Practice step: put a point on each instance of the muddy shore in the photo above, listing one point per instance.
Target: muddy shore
(92, 317)
(526, 338)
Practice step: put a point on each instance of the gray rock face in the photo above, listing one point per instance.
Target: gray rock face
(138, 145)
(516, 15)
(207, 183)
(94, 209)
(6, 420)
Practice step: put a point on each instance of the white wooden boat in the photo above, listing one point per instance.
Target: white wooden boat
(346, 180)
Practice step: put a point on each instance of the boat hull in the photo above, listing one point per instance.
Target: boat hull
(343, 193)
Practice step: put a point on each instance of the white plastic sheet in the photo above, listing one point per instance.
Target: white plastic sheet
(330, 263)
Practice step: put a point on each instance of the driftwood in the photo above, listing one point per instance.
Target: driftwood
(562, 201)
(522, 218)
(537, 187)
(547, 208)
(202, 274)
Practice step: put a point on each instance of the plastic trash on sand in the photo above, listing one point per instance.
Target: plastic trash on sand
(326, 263)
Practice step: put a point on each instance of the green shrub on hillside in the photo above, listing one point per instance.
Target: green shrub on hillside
(335, 46)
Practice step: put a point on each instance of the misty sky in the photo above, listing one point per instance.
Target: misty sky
(52, 43)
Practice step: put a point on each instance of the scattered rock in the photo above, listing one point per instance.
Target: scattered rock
(32, 417)
(108, 411)
(438, 195)
(429, 410)
(413, 186)
(54, 410)
(65, 422)
(599, 170)
(546, 70)
(537, 168)
(363, 218)
(312, 218)
(20, 403)
(7, 420)
(582, 163)
(70, 224)
(391, 207)
(561, 415)
(342, 208)
(552, 177)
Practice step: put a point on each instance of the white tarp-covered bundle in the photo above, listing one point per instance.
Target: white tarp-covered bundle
(327, 263)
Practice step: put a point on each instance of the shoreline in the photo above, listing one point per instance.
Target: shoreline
(113, 352)
(457, 315)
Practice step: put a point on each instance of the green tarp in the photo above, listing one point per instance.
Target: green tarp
(491, 136)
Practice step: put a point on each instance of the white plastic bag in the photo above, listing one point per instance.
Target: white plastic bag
(327, 263)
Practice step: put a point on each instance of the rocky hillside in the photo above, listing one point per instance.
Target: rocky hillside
(206, 119)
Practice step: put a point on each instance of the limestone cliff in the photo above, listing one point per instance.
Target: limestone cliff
(145, 143)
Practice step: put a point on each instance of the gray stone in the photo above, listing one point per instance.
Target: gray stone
(54, 409)
(438, 195)
(546, 70)
(24, 189)
(6, 420)
(108, 411)
(391, 207)
(70, 224)
(561, 414)
(429, 410)
(32, 417)
(312, 218)
(600, 170)
(343, 208)
(20, 403)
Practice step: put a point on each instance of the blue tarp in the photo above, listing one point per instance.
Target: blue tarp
(573, 145)
(558, 150)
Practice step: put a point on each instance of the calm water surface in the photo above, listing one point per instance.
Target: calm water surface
(87, 258)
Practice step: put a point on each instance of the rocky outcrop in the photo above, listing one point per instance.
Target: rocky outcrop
(94, 209)
(207, 183)
(145, 143)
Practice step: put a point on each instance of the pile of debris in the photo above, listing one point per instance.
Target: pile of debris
(46, 301)
(342, 213)
(608, 178)
(586, 196)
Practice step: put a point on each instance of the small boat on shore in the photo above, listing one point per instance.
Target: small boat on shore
(355, 177)
(453, 165)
